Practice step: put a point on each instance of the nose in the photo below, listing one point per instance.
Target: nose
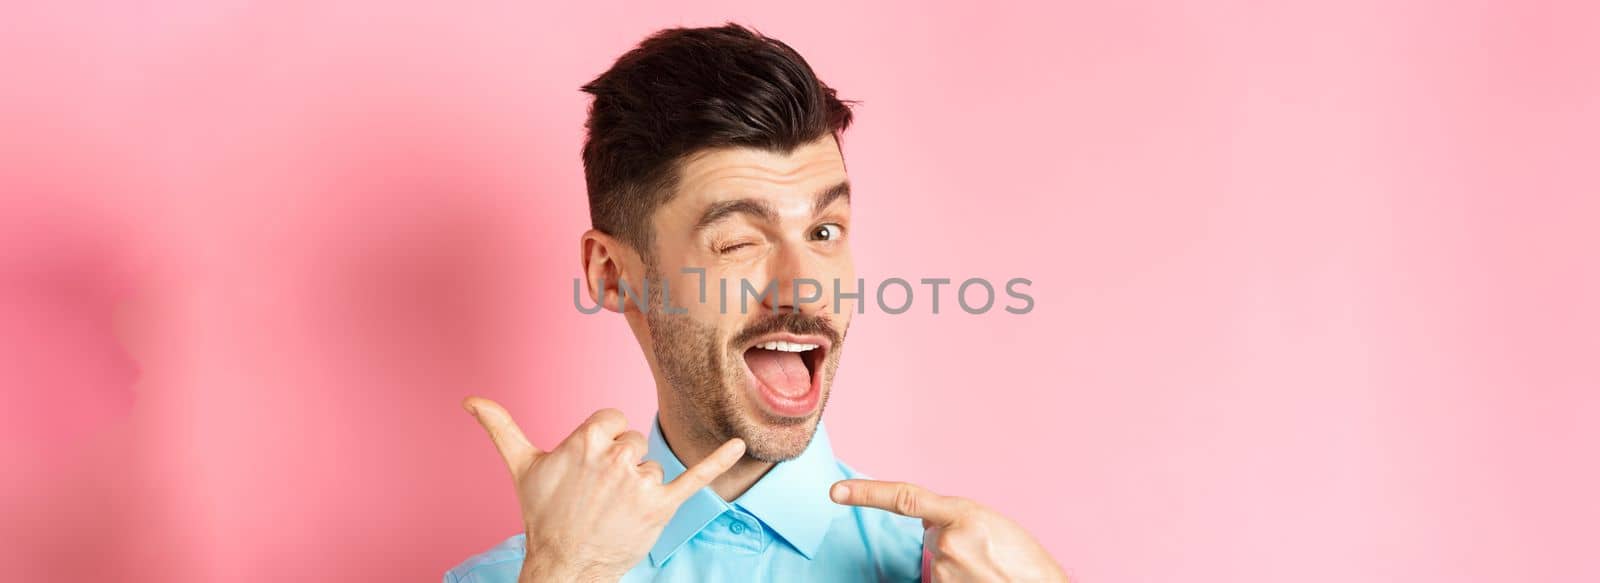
(797, 279)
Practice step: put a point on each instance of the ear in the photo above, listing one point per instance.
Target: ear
(603, 260)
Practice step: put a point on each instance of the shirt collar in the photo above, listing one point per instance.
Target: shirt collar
(791, 499)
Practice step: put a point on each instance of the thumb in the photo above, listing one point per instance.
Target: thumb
(503, 431)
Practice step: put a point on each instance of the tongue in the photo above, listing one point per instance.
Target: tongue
(784, 372)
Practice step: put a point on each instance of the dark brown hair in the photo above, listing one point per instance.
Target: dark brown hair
(683, 90)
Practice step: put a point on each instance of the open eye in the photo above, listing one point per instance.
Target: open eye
(827, 232)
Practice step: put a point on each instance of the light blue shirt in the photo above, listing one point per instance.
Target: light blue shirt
(785, 528)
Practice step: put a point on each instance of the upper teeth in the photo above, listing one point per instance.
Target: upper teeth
(787, 346)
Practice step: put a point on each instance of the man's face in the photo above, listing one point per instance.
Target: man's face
(761, 371)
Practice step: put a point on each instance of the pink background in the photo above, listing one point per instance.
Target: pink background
(1316, 285)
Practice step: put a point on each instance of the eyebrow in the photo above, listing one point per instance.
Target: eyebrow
(833, 193)
(760, 209)
(749, 206)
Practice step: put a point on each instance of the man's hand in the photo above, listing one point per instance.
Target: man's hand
(591, 510)
(967, 541)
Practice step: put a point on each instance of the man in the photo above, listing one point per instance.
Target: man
(713, 156)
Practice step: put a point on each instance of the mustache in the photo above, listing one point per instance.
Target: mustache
(790, 322)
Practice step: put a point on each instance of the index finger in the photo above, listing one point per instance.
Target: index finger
(900, 498)
(703, 473)
(503, 431)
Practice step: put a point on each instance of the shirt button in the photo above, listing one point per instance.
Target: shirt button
(737, 527)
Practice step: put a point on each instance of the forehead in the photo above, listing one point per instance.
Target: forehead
(727, 173)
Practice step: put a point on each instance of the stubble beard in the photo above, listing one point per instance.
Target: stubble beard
(708, 382)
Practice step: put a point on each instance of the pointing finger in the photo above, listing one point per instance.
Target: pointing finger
(704, 472)
(900, 498)
(508, 439)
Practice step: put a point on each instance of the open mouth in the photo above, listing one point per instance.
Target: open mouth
(787, 371)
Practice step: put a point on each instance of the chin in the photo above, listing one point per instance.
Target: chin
(780, 442)
(776, 438)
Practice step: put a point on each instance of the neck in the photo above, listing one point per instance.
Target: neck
(691, 445)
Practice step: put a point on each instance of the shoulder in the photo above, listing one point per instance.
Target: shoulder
(500, 564)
